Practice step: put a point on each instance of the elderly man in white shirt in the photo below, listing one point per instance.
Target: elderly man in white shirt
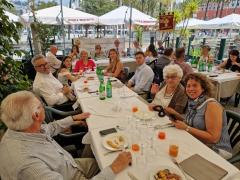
(46, 85)
(120, 51)
(143, 77)
(54, 63)
(28, 151)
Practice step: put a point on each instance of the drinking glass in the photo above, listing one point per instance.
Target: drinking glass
(173, 150)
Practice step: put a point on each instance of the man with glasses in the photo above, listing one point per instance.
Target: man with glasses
(46, 85)
(54, 63)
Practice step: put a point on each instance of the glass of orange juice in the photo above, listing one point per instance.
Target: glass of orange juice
(161, 135)
(134, 109)
(173, 150)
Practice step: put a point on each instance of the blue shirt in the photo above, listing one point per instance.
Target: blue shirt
(142, 78)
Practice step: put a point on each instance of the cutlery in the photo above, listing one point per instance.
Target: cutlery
(120, 149)
(131, 176)
(163, 126)
(180, 168)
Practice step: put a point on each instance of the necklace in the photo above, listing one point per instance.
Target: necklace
(168, 96)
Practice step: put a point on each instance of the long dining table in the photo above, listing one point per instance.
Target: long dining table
(226, 83)
(116, 112)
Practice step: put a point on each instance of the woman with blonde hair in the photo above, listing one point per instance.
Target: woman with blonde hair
(115, 67)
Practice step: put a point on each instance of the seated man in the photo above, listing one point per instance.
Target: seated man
(143, 77)
(47, 86)
(53, 62)
(29, 153)
(120, 51)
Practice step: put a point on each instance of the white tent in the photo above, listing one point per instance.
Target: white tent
(121, 15)
(211, 24)
(231, 21)
(192, 23)
(12, 17)
(52, 16)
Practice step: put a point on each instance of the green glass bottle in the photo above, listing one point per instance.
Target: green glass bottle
(109, 88)
(210, 66)
(200, 65)
(102, 90)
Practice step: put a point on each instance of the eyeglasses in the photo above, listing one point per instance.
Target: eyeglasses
(42, 65)
(171, 77)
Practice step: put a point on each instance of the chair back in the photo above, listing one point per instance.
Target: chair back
(233, 121)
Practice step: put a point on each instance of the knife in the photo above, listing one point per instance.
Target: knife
(132, 177)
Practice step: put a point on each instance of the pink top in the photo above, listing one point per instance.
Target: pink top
(81, 66)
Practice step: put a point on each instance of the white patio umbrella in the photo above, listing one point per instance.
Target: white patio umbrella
(192, 23)
(121, 16)
(231, 21)
(211, 24)
(12, 16)
(52, 16)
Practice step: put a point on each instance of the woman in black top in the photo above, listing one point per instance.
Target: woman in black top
(233, 62)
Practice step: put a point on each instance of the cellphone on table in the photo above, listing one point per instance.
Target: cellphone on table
(107, 131)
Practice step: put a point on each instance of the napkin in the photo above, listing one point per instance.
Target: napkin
(201, 169)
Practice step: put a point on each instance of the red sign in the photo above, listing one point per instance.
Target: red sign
(166, 22)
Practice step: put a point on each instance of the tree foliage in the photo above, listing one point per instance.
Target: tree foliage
(46, 33)
(11, 76)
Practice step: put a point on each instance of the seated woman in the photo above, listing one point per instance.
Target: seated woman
(74, 55)
(84, 63)
(171, 94)
(98, 53)
(205, 54)
(151, 54)
(233, 62)
(115, 67)
(205, 117)
(64, 74)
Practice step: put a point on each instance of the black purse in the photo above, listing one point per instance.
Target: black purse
(160, 110)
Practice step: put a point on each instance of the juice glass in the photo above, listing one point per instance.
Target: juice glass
(173, 150)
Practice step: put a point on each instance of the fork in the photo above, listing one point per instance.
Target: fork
(180, 168)
(121, 148)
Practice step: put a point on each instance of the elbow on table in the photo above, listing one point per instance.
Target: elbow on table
(214, 139)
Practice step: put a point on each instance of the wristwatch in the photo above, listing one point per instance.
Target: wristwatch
(188, 128)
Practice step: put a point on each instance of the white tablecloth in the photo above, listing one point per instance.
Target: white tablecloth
(104, 116)
(226, 83)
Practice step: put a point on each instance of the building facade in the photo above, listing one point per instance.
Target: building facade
(215, 9)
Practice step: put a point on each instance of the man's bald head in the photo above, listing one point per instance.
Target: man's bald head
(53, 49)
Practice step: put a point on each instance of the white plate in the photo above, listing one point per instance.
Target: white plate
(144, 115)
(234, 177)
(115, 139)
(171, 169)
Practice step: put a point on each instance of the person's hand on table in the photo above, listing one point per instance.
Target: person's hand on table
(80, 117)
(155, 88)
(180, 124)
(121, 162)
(151, 106)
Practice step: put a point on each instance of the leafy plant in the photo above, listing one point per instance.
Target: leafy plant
(11, 77)
(139, 31)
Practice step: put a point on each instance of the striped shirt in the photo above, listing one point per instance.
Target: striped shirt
(36, 156)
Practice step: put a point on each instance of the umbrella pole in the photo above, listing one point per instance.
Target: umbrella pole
(130, 29)
(63, 31)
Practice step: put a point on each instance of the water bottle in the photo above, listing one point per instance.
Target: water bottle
(210, 66)
(102, 90)
(109, 88)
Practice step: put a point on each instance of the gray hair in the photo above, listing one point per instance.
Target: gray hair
(172, 69)
(17, 110)
(83, 51)
(37, 57)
